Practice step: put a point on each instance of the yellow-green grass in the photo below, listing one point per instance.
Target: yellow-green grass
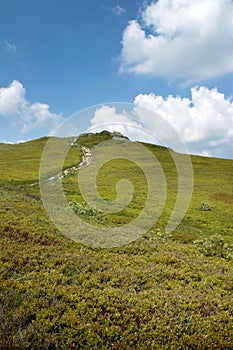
(158, 292)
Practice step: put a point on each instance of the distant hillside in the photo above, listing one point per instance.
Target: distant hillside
(163, 291)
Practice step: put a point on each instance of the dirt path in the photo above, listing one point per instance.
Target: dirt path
(86, 160)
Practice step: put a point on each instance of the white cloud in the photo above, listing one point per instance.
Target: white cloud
(117, 10)
(108, 118)
(10, 46)
(190, 40)
(7, 142)
(205, 153)
(23, 114)
(204, 122)
(22, 141)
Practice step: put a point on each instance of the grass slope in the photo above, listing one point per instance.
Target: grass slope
(160, 292)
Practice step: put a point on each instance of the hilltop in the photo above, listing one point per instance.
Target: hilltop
(159, 292)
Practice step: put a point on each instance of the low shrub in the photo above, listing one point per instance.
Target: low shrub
(84, 211)
(214, 246)
(205, 206)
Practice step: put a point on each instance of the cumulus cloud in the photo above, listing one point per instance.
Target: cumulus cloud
(111, 119)
(180, 39)
(7, 142)
(204, 122)
(22, 141)
(23, 114)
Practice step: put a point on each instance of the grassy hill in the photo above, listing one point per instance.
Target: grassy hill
(159, 292)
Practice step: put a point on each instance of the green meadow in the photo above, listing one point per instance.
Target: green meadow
(162, 291)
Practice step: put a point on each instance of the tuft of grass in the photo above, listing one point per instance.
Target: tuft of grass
(205, 206)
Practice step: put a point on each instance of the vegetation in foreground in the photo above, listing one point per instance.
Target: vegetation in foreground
(159, 292)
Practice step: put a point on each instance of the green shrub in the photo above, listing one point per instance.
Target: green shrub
(84, 211)
(205, 206)
(214, 246)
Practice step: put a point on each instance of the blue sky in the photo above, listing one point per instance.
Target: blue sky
(58, 57)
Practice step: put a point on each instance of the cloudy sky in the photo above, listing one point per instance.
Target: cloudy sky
(172, 57)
